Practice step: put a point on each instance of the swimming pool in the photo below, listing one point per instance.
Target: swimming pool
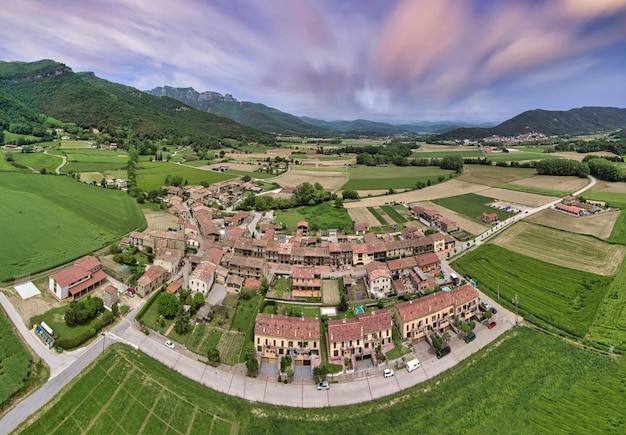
(359, 309)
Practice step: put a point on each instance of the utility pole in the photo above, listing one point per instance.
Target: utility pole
(103, 340)
(515, 301)
(498, 291)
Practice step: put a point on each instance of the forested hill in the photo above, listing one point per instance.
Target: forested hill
(575, 121)
(51, 88)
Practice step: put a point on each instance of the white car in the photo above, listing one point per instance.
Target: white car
(322, 386)
(388, 373)
(169, 344)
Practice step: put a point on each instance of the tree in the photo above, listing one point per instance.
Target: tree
(252, 364)
(213, 354)
(198, 301)
(437, 341)
(343, 302)
(487, 315)
(320, 373)
(338, 202)
(169, 305)
(264, 286)
(181, 324)
(454, 163)
(246, 178)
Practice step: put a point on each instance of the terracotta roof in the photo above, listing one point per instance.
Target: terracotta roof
(302, 224)
(440, 300)
(295, 328)
(402, 263)
(150, 275)
(80, 270)
(427, 259)
(175, 285)
(375, 321)
(203, 272)
(97, 277)
(344, 330)
(88, 262)
(110, 289)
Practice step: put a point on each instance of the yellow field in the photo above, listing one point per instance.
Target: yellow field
(580, 156)
(159, 220)
(463, 222)
(605, 186)
(553, 182)
(562, 248)
(495, 175)
(522, 198)
(330, 180)
(362, 214)
(599, 225)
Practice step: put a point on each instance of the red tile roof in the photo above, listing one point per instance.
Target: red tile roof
(294, 328)
(419, 308)
(375, 321)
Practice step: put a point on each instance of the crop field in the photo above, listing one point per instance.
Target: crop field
(609, 326)
(565, 249)
(473, 206)
(471, 226)
(553, 182)
(550, 295)
(160, 220)
(320, 168)
(92, 155)
(15, 361)
(519, 157)
(546, 381)
(394, 214)
(38, 161)
(69, 144)
(600, 225)
(441, 154)
(324, 215)
(392, 177)
(494, 175)
(523, 198)
(49, 220)
(7, 166)
(535, 190)
(261, 175)
(151, 175)
(330, 292)
(362, 214)
(230, 346)
(331, 180)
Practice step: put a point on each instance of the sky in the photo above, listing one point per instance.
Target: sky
(385, 60)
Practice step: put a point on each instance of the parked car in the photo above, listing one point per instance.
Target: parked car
(443, 352)
(324, 385)
(129, 294)
(493, 310)
(492, 325)
(388, 373)
(470, 337)
(169, 344)
(484, 306)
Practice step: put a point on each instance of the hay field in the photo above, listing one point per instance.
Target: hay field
(247, 167)
(494, 175)
(599, 225)
(522, 198)
(442, 190)
(330, 180)
(580, 156)
(330, 292)
(469, 225)
(362, 214)
(574, 251)
(159, 220)
(605, 186)
(552, 182)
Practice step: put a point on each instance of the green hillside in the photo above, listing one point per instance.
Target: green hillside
(49, 220)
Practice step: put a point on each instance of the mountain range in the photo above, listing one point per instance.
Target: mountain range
(37, 94)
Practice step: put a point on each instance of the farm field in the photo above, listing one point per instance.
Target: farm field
(549, 378)
(15, 362)
(574, 251)
(441, 154)
(394, 214)
(320, 168)
(332, 180)
(38, 161)
(519, 156)
(535, 190)
(159, 220)
(609, 326)
(448, 188)
(44, 211)
(330, 292)
(614, 195)
(392, 177)
(473, 206)
(551, 296)
(552, 182)
(324, 215)
(151, 175)
(522, 198)
(599, 225)
(381, 216)
(494, 175)
(363, 215)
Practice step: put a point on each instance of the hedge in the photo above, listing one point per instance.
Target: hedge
(72, 342)
(148, 304)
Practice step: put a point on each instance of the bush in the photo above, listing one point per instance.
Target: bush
(143, 310)
(169, 305)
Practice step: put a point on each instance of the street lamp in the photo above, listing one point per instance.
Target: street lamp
(515, 301)
(103, 340)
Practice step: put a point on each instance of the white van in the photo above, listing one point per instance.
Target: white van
(412, 365)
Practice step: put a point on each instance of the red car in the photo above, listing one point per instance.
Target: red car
(491, 325)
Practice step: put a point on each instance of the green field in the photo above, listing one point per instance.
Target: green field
(393, 213)
(527, 383)
(442, 154)
(15, 361)
(549, 295)
(392, 177)
(38, 161)
(252, 174)
(535, 190)
(609, 326)
(151, 175)
(377, 215)
(49, 220)
(324, 215)
(472, 206)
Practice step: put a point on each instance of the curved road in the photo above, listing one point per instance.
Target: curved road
(361, 386)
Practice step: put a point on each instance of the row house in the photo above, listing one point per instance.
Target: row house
(169, 259)
(307, 281)
(418, 318)
(169, 239)
(276, 336)
(447, 225)
(430, 216)
(244, 266)
(360, 336)
(340, 254)
(141, 240)
(378, 278)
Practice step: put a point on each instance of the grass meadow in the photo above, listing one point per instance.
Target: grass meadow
(49, 220)
(472, 206)
(324, 215)
(38, 161)
(527, 382)
(392, 177)
(15, 361)
(609, 326)
(617, 200)
(441, 154)
(151, 175)
(551, 296)
(535, 190)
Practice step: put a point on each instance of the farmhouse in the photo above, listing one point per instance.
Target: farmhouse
(430, 216)
(490, 218)
(202, 278)
(569, 209)
(276, 335)
(76, 281)
(418, 318)
(361, 228)
(447, 225)
(378, 279)
(360, 336)
(151, 280)
(168, 259)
